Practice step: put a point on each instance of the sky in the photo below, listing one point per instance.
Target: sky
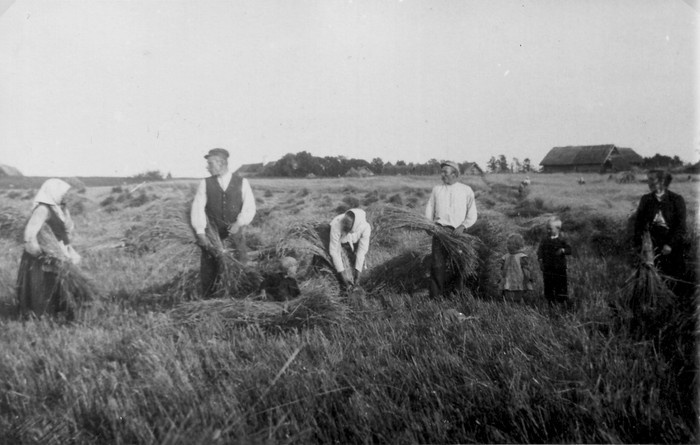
(116, 88)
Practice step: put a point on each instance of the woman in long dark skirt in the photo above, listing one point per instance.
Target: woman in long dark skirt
(38, 285)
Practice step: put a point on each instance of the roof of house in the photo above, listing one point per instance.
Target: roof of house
(630, 155)
(250, 168)
(578, 155)
(469, 165)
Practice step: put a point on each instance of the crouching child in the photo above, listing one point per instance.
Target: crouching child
(281, 285)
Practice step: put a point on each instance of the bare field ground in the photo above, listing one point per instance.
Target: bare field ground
(399, 369)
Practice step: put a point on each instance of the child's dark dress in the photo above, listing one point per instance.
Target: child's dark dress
(554, 268)
(279, 287)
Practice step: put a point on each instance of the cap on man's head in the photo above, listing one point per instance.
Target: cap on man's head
(217, 152)
(451, 164)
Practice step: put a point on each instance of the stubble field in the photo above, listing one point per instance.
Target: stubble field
(398, 367)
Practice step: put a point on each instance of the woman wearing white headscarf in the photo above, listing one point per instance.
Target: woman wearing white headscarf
(38, 287)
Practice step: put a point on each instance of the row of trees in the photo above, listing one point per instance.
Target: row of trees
(303, 164)
(500, 164)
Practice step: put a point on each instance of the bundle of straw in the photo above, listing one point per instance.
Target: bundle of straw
(165, 228)
(318, 305)
(461, 250)
(74, 286)
(12, 223)
(309, 241)
(407, 272)
(644, 300)
(235, 279)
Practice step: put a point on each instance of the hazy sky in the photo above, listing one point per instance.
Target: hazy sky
(92, 88)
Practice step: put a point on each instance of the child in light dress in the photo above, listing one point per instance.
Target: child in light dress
(516, 274)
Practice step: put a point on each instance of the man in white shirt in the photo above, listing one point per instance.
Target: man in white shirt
(451, 205)
(349, 231)
(224, 203)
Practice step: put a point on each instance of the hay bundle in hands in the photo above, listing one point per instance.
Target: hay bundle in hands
(235, 279)
(75, 287)
(318, 305)
(165, 228)
(461, 249)
(309, 242)
(644, 302)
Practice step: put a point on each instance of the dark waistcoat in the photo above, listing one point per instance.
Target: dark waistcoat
(223, 206)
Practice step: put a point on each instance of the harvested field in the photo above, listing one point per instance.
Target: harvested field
(149, 361)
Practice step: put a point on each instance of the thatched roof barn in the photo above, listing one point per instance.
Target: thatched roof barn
(471, 168)
(361, 172)
(6, 170)
(590, 158)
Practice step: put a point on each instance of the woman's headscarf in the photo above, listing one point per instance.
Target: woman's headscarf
(51, 193)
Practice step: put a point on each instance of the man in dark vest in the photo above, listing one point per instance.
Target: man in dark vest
(224, 203)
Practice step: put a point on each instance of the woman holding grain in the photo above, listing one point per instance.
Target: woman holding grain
(46, 245)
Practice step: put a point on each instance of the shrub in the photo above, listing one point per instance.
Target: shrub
(117, 189)
(303, 192)
(268, 194)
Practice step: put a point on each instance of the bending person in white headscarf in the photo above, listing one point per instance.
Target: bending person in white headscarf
(350, 231)
(37, 285)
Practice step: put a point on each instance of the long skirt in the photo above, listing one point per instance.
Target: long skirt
(38, 289)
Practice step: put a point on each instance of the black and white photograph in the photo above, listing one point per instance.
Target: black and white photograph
(349, 221)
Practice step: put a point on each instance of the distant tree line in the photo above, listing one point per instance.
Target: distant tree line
(500, 164)
(662, 161)
(303, 164)
(150, 176)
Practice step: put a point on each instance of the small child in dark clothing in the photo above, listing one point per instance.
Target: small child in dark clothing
(282, 285)
(552, 257)
(516, 278)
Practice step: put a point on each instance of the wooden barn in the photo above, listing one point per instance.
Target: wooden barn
(361, 172)
(590, 158)
(471, 168)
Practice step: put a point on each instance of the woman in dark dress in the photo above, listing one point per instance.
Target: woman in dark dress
(39, 290)
(662, 213)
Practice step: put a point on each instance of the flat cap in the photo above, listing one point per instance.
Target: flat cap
(217, 152)
(451, 164)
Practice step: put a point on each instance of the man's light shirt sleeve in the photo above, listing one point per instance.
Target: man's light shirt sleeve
(363, 248)
(198, 217)
(248, 210)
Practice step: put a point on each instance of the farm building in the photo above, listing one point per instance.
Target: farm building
(590, 158)
(6, 170)
(471, 168)
(248, 170)
(361, 172)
